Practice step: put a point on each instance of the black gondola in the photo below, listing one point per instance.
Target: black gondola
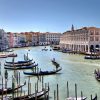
(12, 55)
(19, 62)
(21, 67)
(10, 90)
(43, 72)
(92, 57)
(32, 96)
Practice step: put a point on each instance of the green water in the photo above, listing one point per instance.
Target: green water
(75, 69)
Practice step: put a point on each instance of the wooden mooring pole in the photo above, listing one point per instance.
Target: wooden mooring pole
(76, 91)
(54, 94)
(57, 92)
(67, 90)
(42, 83)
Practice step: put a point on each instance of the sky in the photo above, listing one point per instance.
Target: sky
(48, 15)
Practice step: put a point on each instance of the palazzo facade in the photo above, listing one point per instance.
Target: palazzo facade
(84, 40)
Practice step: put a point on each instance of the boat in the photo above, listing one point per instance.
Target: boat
(97, 74)
(43, 72)
(56, 48)
(9, 50)
(12, 55)
(93, 57)
(3, 56)
(32, 96)
(18, 62)
(78, 98)
(44, 49)
(21, 67)
(10, 90)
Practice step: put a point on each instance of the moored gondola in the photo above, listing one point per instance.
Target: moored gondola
(19, 62)
(12, 55)
(92, 57)
(32, 96)
(10, 90)
(21, 67)
(43, 72)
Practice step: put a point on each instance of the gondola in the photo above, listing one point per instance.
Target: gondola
(92, 57)
(10, 90)
(12, 55)
(9, 50)
(19, 62)
(21, 67)
(31, 96)
(43, 72)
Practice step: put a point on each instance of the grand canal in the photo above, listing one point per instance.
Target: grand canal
(75, 69)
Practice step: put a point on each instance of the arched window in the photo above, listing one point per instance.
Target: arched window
(91, 48)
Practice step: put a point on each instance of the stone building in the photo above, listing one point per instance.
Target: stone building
(86, 39)
(52, 38)
(35, 38)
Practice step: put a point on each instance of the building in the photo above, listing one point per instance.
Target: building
(16, 40)
(28, 38)
(52, 38)
(10, 39)
(86, 39)
(42, 39)
(49, 38)
(3, 40)
(35, 38)
(22, 39)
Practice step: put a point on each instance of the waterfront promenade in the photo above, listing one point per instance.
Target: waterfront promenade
(75, 69)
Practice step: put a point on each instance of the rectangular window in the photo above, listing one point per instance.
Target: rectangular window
(91, 38)
(96, 38)
(97, 33)
(91, 33)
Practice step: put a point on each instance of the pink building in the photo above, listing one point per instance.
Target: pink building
(10, 39)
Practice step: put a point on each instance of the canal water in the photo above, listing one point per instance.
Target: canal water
(75, 69)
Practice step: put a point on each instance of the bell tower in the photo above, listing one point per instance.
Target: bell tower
(72, 28)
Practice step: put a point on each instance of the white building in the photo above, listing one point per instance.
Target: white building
(49, 38)
(52, 38)
(16, 39)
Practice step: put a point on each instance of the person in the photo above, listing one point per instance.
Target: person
(53, 59)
